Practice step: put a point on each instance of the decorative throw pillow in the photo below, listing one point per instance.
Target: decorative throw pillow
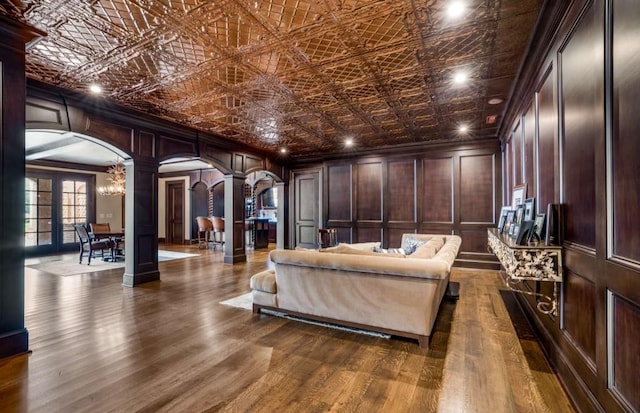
(389, 250)
(410, 243)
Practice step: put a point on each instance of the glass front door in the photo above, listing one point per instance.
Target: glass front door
(53, 203)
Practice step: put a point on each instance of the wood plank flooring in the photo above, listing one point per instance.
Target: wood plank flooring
(169, 346)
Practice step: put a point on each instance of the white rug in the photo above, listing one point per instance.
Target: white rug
(245, 302)
(72, 267)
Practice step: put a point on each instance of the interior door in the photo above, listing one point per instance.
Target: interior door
(307, 201)
(175, 212)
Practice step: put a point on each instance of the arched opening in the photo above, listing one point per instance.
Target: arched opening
(263, 207)
(199, 205)
(63, 173)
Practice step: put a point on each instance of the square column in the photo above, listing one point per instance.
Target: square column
(234, 246)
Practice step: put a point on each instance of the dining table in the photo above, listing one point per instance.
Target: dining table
(114, 237)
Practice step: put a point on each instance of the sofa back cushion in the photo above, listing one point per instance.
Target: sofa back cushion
(350, 249)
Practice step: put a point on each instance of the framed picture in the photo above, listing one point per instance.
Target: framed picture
(524, 232)
(519, 214)
(529, 209)
(514, 230)
(538, 226)
(503, 217)
(518, 195)
(508, 221)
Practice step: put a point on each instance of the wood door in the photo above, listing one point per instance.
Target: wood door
(175, 212)
(306, 209)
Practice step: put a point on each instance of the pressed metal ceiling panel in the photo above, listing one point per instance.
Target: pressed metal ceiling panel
(291, 73)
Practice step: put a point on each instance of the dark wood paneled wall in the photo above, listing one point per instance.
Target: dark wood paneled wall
(578, 108)
(446, 190)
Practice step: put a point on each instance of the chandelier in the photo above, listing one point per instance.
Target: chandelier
(117, 179)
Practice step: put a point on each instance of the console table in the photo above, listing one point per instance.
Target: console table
(534, 262)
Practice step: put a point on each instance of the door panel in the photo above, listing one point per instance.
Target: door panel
(175, 212)
(53, 203)
(306, 210)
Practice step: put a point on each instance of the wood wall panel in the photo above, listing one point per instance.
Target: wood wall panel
(626, 130)
(47, 115)
(437, 190)
(339, 198)
(369, 234)
(401, 198)
(547, 154)
(145, 145)
(626, 357)
(474, 241)
(369, 192)
(516, 146)
(477, 193)
(579, 312)
(508, 175)
(582, 84)
(394, 237)
(529, 155)
(591, 166)
(414, 193)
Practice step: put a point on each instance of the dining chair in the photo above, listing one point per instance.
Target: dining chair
(89, 246)
(117, 242)
(205, 226)
(218, 231)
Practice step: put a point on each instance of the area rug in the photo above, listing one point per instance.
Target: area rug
(245, 302)
(71, 267)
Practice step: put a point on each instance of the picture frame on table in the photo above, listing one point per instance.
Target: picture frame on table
(518, 195)
(517, 221)
(503, 217)
(539, 227)
(524, 232)
(508, 222)
(529, 209)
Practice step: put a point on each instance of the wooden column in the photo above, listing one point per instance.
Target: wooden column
(283, 197)
(234, 246)
(14, 337)
(141, 218)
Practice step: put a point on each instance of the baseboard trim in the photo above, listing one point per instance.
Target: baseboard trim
(14, 343)
(131, 280)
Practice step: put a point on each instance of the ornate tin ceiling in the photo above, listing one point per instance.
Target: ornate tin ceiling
(299, 74)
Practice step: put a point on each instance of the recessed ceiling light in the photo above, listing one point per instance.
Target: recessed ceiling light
(95, 88)
(455, 9)
(283, 150)
(460, 78)
(348, 142)
(463, 129)
(495, 101)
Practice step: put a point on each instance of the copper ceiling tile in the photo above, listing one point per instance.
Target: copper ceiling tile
(295, 73)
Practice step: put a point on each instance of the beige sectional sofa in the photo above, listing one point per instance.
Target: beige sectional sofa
(351, 285)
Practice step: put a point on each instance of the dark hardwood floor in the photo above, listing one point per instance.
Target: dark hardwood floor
(98, 346)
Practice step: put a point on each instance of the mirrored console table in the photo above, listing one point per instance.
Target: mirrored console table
(533, 262)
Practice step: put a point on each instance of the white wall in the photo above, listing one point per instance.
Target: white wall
(162, 204)
(108, 208)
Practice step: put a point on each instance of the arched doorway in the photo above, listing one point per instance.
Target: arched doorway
(64, 171)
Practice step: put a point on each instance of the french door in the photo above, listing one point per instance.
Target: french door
(53, 203)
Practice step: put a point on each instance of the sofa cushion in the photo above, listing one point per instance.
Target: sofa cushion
(429, 248)
(264, 281)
